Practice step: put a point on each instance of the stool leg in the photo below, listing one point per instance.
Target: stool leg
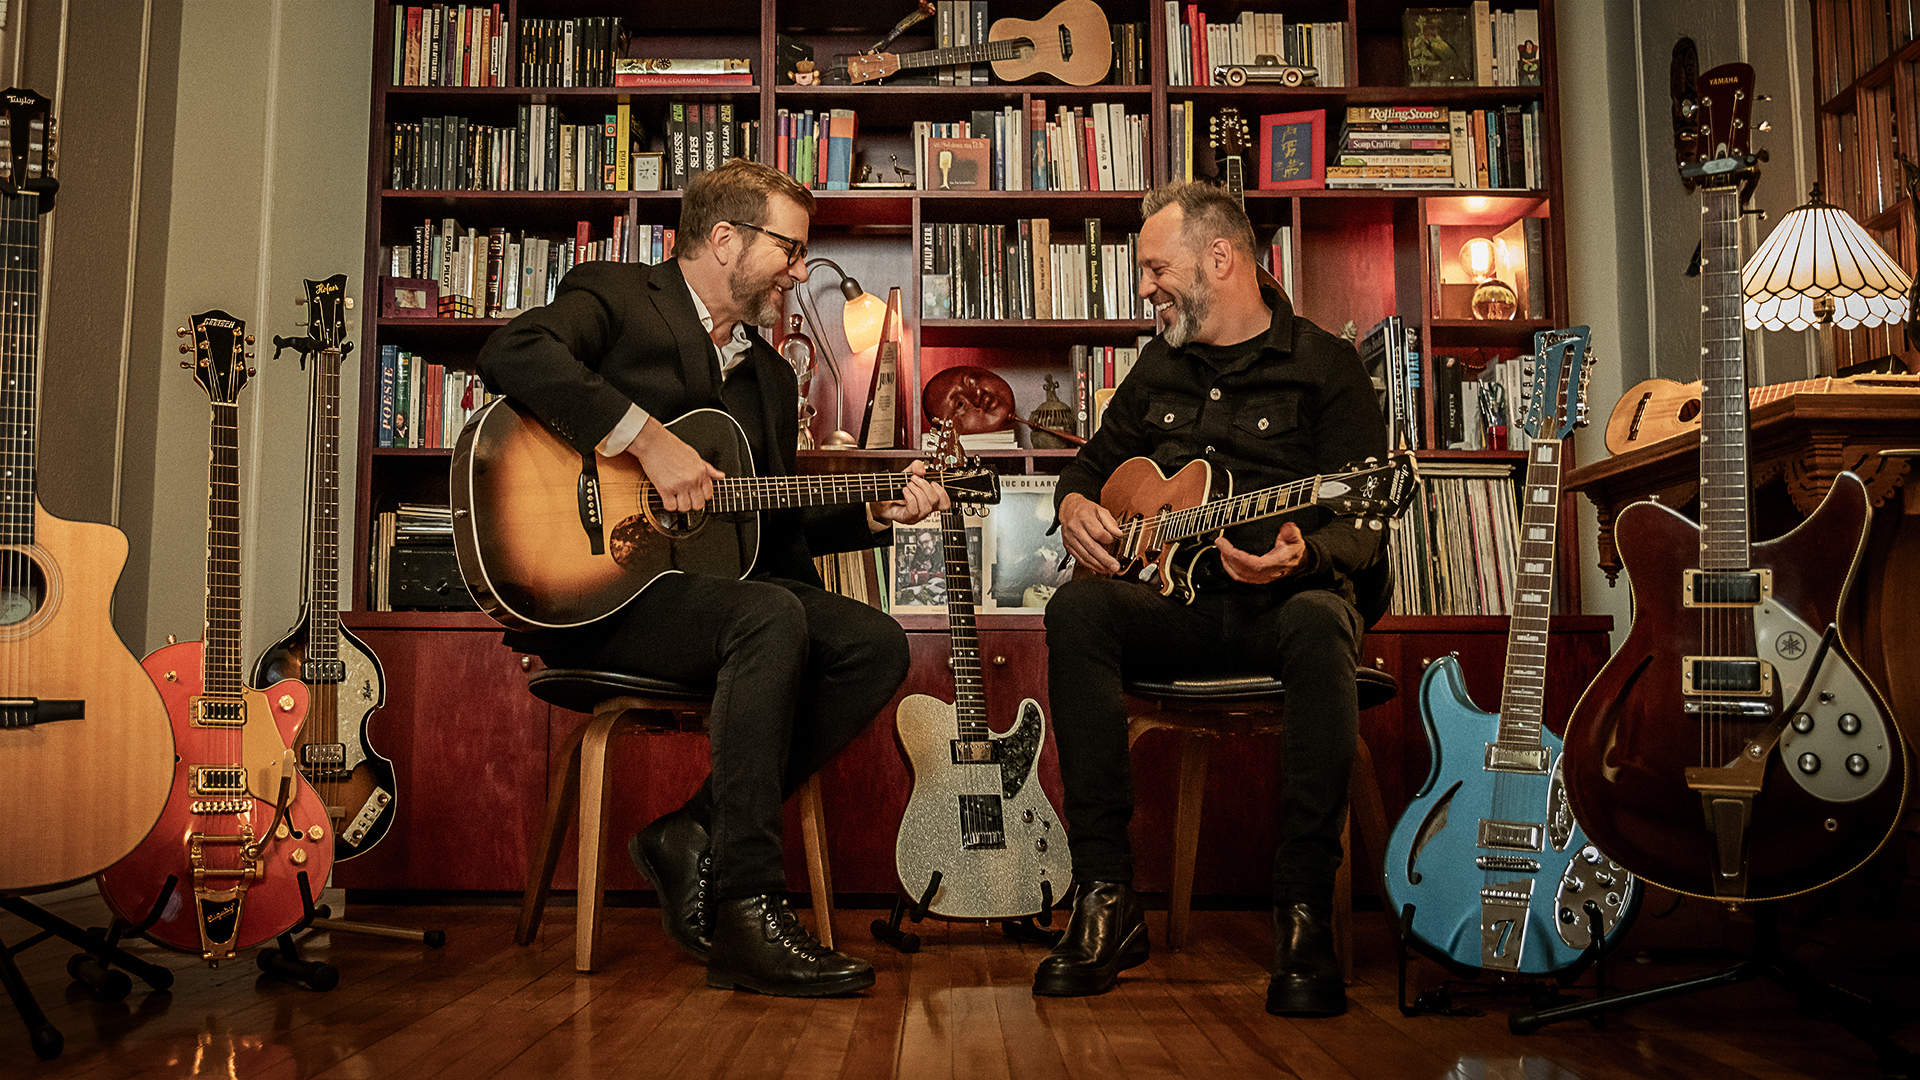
(545, 859)
(1343, 902)
(595, 795)
(1186, 836)
(1366, 809)
(813, 835)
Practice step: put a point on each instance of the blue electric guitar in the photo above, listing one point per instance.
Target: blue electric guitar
(1497, 872)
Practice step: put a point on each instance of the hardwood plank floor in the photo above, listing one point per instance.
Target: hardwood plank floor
(483, 1008)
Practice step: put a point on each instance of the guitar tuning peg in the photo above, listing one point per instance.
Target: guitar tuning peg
(249, 339)
(348, 301)
(299, 301)
(251, 372)
(186, 349)
(184, 366)
(179, 331)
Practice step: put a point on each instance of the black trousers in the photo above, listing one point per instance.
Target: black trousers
(798, 673)
(1098, 628)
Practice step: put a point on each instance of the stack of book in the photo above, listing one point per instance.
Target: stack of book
(413, 564)
(449, 45)
(1453, 550)
(1021, 271)
(1095, 147)
(1196, 46)
(683, 71)
(1386, 146)
(569, 52)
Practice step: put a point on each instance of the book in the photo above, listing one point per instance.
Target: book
(1398, 114)
(1095, 309)
(1439, 46)
(842, 126)
(960, 164)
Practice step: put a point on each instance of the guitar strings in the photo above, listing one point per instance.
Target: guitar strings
(22, 291)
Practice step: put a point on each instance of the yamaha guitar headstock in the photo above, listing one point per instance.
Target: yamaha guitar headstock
(1712, 114)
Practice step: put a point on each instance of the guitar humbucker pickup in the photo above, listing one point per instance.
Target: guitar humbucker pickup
(1512, 835)
(1726, 588)
(219, 780)
(1523, 759)
(976, 752)
(323, 671)
(219, 712)
(1741, 676)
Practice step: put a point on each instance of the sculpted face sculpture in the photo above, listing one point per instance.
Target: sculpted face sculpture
(974, 398)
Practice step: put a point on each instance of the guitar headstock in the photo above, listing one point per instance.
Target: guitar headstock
(870, 66)
(220, 353)
(1711, 129)
(327, 304)
(1554, 400)
(967, 480)
(1228, 133)
(1372, 491)
(27, 150)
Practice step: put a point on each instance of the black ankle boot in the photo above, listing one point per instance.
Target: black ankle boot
(1105, 936)
(675, 855)
(759, 945)
(1306, 974)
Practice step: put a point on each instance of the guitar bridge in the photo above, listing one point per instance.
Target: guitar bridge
(26, 712)
(981, 824)
(219, 909)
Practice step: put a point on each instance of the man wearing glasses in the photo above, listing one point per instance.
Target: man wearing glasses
(797, 671)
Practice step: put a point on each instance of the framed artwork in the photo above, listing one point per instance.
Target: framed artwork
(409, 298)
(1293, 150)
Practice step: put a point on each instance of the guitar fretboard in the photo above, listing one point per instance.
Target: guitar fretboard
(780, 492)
(19, 347)
(323, 509)
(1724, 534)
(1523, 693)
(220, 664)
(969, 693)
(965, 54)
(1216, 514)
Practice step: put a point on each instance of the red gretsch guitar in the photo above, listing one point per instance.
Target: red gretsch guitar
(243, 843)
(1732, 748)
(86, 755)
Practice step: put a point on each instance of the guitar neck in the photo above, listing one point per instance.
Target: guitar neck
(782, 492)
(969, 694)
(19, 352)
(1236, 181)
(1523, 692)
(961, 54)
(1217, 514)
(220, 663)
(323, 509)
(1724, 534)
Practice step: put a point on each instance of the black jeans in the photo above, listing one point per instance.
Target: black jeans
(797, 673)
(1099, 627)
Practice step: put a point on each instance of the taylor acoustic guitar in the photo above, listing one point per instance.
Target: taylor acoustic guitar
(1487, 867)
(1073, 43)
(548, 537)
(243, 841)
(343, 677)
(979, 839)
(86, 755)
(1732, 748)
(1167, 524)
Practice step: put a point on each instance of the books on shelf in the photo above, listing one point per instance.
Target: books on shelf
(1095, 147)
(683, 71)
(1027, 270)
(1390, 353)
(448, 45)
(1453, 550)
(423, 405)
(1438, 146)
(498, 274)
(568, 52)
(1197, 44)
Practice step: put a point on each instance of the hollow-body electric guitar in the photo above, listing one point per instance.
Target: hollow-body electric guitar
(86, 755)
(345, 683)
(1732, 747)
(548, 537)
(978, 820)
(1488, 855)
(243, 841)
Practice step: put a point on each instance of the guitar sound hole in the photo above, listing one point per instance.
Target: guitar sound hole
(22, 586)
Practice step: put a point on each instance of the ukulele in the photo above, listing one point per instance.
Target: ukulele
(1732, 748)
(86, 755)
(1488, 858)
(1653, 410)
(1073, 43)
(235, 857)
(980, 838)
(343, 678)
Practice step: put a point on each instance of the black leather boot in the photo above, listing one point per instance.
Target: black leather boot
(1105, 936)
(1306, 974)
(759, 945)
(676, 856)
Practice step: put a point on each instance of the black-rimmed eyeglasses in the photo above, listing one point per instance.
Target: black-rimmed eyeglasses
(796, 249)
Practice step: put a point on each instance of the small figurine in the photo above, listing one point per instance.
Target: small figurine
(900, 172)
(805, 75)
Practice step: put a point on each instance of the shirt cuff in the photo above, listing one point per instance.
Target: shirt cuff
(623, 433)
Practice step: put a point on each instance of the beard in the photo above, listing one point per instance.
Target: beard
(755, 297)
(1190, 310)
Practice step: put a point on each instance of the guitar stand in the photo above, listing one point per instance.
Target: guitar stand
(1032, 928)
(1858, 1015)
(1441, 1000)
(91, 968)
(283, 961)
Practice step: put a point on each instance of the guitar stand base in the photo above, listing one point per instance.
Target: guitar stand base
(1542, 991)
(1027, 929)
(323, 920)
(283, 961)
(93, 968)
(1858, 1015)
(888, 929)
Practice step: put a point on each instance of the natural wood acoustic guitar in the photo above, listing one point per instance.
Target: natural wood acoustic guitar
(1073, 43)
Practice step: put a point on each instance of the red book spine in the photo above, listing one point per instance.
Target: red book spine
(1089, 158)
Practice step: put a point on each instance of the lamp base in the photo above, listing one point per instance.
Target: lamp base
(839, 440)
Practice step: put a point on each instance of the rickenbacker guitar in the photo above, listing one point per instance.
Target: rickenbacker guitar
(1732, 748)
(1073, 43)
(1488, 854)
(1167, 524)
(548, 537)
(343, 677)
(86, 755)
(978, 820)
(243, 841)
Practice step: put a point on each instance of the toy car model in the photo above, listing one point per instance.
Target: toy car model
(1264, 69)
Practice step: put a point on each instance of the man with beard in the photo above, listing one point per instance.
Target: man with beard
(797, 672)
(1238, 380)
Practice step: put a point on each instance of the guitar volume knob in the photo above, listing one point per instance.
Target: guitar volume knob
(1849, 724)
(1809, 763)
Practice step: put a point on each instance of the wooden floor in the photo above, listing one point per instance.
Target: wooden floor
(482, 1007)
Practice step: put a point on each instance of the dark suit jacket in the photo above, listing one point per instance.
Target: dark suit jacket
(620, 333)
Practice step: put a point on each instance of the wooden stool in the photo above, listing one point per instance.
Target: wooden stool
(1250, 705)
(623, 704)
